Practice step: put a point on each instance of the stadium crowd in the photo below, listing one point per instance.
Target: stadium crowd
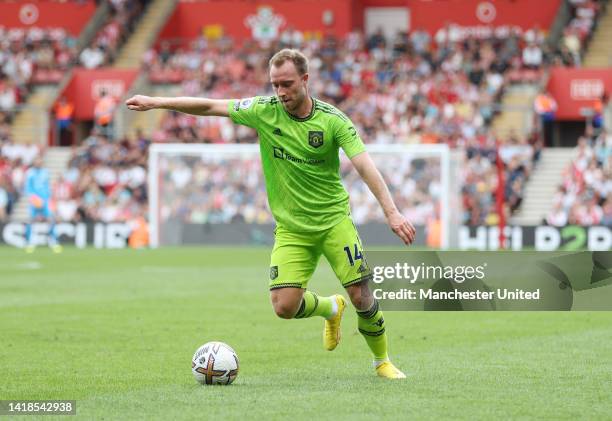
(412, 89)
(577, 32)
(414, 183)
(392, 94)
(213, 191)
(584, 196)
(479, 175)
(222, 190)
(43, 55)
(15, 159)
(120, 23)
(105, 181)
(29, 56)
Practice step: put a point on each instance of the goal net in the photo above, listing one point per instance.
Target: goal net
(215, 194)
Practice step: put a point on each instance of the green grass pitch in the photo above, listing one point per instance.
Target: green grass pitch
(116, 330)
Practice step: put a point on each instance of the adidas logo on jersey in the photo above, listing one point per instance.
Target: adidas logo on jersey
(277, 132)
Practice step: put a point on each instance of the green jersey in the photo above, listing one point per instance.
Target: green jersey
(300, 159)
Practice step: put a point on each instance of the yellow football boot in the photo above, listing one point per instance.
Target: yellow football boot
(389, 371)
(331, 333)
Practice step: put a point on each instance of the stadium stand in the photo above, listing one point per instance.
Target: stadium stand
(105, 181)
(105, 46)
(413, 88)
(426, 90)
(420, 90)
(35, 55)
(578, 32)
(585, 194)
(42, 56)
(232, 190)
(15, 159)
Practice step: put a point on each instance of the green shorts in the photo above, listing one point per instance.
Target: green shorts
(295, 256)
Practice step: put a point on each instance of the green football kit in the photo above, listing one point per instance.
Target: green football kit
(301, 165)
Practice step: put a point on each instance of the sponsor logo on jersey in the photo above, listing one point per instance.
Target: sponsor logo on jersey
(280, 153)
(277, 132)
(315, 138)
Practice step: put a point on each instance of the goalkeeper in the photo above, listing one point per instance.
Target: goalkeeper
(38, 191)
(300, 138)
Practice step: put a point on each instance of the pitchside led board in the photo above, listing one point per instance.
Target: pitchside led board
(489, 281)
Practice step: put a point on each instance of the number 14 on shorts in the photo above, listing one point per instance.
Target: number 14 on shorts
(357, 255)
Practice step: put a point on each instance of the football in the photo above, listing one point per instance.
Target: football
(215, 363)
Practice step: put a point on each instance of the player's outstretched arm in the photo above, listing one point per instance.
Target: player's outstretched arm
(371, 176)
(189, 105)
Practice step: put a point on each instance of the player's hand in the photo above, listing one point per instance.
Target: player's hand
(402, 227)
(141, 103)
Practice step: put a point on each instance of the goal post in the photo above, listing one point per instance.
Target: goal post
(219, 185)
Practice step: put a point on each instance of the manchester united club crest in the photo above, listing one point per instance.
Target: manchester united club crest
(315, 138)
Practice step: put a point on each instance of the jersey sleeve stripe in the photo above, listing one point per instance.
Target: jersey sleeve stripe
(327, 108)
(328, 111)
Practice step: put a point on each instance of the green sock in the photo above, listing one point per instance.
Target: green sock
(371, 325)
(313, 305)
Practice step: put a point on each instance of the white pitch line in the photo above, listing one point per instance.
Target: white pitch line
(28, 266)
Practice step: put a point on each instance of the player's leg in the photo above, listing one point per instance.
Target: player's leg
(342, 248)
(34, 216)
(51, 236)
(371, 325)
(286, 301)
(293, 261)
(370, 320)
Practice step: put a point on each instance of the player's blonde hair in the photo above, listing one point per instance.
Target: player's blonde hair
(295, 56)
